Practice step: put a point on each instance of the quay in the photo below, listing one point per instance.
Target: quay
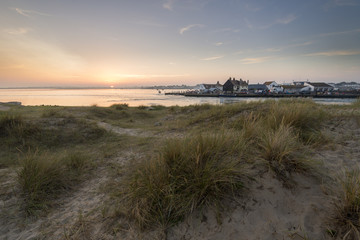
(269, 95)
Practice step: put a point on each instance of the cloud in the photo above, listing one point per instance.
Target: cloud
(339, 33)
(149, 23)
(286, 20)
(18, 31)
(255, 60)
(234, 30)
(212, 58)
(187, 28)
(218, 43)
(283, 21)
(346, 2)
(28, 13)
(142, 76)
(334, 53)
(278, 49)
(169, 4)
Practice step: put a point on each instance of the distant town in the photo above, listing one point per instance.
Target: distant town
(242, 88)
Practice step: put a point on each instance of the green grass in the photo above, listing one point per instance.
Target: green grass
(304, 116)
(283, 152)
(43, 177)
(185, 175)
(347, 218)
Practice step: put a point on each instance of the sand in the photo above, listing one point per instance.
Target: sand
(266, 210)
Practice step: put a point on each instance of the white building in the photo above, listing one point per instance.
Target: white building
(273, 87)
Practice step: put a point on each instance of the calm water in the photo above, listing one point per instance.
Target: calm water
(108, 97)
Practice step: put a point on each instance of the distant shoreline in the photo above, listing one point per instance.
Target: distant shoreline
(102, 88)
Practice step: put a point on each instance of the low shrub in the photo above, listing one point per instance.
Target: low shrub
(185, 175)
(121, 106)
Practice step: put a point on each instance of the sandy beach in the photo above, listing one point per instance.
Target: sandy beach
(265, 209)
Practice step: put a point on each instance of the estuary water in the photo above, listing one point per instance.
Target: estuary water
(108, 97)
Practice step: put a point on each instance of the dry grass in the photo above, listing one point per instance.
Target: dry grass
(42, 177)
(185, 175)
(282, 150)
(305, 117)
(347, 219)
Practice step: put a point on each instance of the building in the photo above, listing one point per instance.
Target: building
(235, 86)
(319, 87)
(257, 88)
(204, 87)
(273, 87)
(293, 89)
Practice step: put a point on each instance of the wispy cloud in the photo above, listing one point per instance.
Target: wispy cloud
(187, 28)
(234, 30)
(286, 20)
(252, 8)
(278, 49)
(334, 53)
(28, 13)
(18, 31)
(149, 23)
(143, 76)
(339, 33)
(340, 3)
(283, 21)
(212, 58)
(169, 4)
(218, 43)
(255, 60)
(346, 2)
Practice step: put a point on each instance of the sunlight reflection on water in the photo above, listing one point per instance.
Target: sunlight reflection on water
(108, 97)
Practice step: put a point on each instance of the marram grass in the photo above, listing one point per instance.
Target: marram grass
(42, 177)
(186, 174)
(347, 217)
(282, 150)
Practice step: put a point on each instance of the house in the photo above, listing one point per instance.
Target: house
(273, 87)
(319, 87)
(293, 89)
(235, 86)
(257, 88)
(204, 87)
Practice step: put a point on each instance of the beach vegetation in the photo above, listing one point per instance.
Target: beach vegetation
(185, 175)
(42, 176)
(282, 150)
(347, 216)
(305, 117)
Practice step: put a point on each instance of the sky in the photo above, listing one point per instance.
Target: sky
(124, 43)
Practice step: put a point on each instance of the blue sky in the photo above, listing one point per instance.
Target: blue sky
(147, 42)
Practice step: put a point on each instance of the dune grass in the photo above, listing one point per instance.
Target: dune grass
(185, 175)
(305, 117)
(42, 177)
(347, 218)
(283, 152)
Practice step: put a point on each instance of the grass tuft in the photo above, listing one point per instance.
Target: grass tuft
(305, 117)
(281, 149)
(41, 177)
(185, 175)
(347, 218)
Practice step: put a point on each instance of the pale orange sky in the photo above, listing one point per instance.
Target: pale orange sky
(137, 43)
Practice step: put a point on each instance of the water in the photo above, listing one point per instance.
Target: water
(108, 97)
